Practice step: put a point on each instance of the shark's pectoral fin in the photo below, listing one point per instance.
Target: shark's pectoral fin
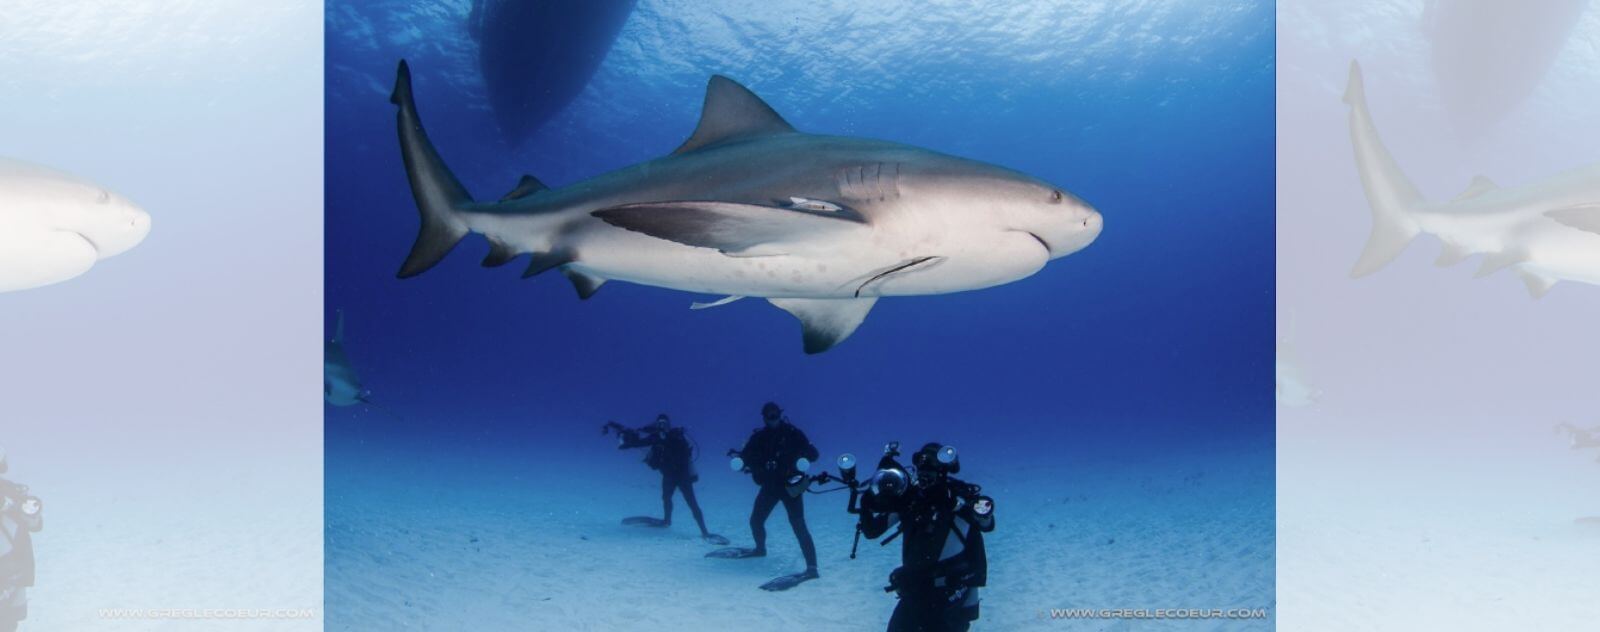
(826, 321)
(900, 269)
(1497, 260)
(1451, 255)
(586, 284)
(527, 186)
(1585, 217)
(1479, 186)
(1538, 284)
(500, 253)
(717, 303)
(734, 229)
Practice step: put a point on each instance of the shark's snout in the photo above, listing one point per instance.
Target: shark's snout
(1077, 233)
(130, 226)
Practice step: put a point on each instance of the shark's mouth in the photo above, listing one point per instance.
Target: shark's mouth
(1041, 241)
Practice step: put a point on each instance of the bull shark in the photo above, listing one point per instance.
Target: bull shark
(1547, 231)
(340, 384)
(54, 226)
(820, 226)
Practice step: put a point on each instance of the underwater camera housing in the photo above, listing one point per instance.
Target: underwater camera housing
(18, 499)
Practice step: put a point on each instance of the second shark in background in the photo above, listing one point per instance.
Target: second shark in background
(1547, 231)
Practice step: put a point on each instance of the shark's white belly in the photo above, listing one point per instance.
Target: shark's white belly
(1561, 252)
(879, 263)
(33, 255)
(1475, 233)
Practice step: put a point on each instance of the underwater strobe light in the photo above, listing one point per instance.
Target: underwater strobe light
(983, 506)
(847, 467)
(947, 455)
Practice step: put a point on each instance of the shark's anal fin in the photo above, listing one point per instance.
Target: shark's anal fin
(500, 253)
(826, 322)
(1479, 186)
(586, 284)
(1452, 254)
(1538, 284)
(717, 303)
(732, 112)
(1497, 260)
(1584, 217)
(732, 228)
(543, 261)
(527, 186)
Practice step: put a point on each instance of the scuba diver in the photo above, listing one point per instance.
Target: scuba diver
(776, 456)
(671, 454)
(941, 521)
(20, 517)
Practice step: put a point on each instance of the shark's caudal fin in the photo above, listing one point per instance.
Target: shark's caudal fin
(1389, 192)
(440, 196)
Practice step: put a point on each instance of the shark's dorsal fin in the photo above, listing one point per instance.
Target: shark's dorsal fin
(1479, 186)
(732, 111)
(338, 329)
(527, 186)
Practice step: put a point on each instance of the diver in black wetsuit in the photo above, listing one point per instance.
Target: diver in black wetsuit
(671, 454)
(941, 522)
(777, 456)
(20, 517)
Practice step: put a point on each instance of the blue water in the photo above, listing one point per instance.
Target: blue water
(1151, 346)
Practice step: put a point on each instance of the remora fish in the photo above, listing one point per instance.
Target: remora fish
(1548, 231)
(54, 227)
(820, 226)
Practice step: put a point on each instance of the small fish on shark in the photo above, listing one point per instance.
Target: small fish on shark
(819, 226)
(1548, 231)
(54, 226)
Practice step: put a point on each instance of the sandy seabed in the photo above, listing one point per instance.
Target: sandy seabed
(423, 543)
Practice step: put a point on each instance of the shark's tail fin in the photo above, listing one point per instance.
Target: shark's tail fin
(440, 196)
(1389, 191)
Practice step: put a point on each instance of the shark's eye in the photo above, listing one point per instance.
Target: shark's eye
(1055, 197)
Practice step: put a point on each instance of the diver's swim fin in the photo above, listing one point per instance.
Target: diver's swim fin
(645, 521)
(715, 539)
(736, 552)
(790, 581)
